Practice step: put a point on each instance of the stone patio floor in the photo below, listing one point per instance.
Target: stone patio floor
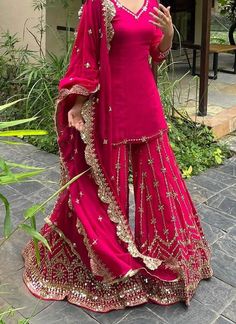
(214, 193)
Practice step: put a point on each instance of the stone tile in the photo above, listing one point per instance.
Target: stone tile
(27, 187)
(142, 315)
(62, 312)
(9, 319)
(12, 197)
(222, 177)
(228, 169)
(17, 294)
(198, 193)
(10, 154)
(225, 204)
(47, 158)
(214, 217)
(49, 178)
(216, 98)
(114, 316)
(230, 311)
(229, 192)
(41, 195)
(223, 320)
(227, 244)
(208, 183)
(215, 294)
(26, 160)
(224, 266)
(196, 313)
(10, 253)
(212, 233)
(232, 231)
(233, 158)
(17, 208)
(8, 191)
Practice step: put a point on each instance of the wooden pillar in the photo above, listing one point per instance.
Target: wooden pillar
(204, 65)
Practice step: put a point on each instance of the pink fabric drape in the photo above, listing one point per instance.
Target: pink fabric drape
(90, 215)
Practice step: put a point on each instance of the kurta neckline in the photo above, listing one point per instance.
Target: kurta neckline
(136, 15)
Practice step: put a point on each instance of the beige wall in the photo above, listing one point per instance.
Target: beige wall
(57, 16)
(15, 15)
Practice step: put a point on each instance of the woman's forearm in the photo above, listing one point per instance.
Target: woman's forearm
(166, 42)
(80, 100)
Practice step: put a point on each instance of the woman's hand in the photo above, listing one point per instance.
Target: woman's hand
(75, 118)
(162, 19)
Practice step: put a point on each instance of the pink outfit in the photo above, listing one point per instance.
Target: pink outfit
(133, 87)
(96, 261)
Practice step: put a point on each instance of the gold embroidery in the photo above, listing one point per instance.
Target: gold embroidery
(97, 266)
(109, 12)
(62, 274)
(141, 139)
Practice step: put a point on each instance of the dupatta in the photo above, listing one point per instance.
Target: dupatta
(107, 236)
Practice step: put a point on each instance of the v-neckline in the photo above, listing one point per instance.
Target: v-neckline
(138, 13)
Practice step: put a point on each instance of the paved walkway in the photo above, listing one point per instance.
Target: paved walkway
(214, 193)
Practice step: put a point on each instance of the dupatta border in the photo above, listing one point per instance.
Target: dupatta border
(109, 12)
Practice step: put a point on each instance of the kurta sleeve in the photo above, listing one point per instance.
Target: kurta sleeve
(82, 76)
(155, 52)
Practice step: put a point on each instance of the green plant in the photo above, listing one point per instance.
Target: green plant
(194, 144)
(9, 313)
(7, 175)
(228, 8)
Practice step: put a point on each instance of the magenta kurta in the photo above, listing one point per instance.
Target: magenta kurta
(134, 90)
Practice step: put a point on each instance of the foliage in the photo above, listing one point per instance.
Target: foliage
(33, 75)
(7, 173)
(194, 144)
(9, 313)
(228, 8)
(195, 147)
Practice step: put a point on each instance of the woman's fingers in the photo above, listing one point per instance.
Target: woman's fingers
(158, 21)
(165, 10)
(75, 120)
(161, 18)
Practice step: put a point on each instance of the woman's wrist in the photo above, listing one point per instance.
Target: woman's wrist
(166, 43)
(79, 101)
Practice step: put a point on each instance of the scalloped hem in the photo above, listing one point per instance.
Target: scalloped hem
(62, 275)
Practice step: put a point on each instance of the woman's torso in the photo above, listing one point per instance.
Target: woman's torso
(136, 106)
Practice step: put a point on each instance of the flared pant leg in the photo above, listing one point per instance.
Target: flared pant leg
(166, 220)
(166, 226)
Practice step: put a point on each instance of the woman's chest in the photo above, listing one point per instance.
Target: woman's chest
(132, 27)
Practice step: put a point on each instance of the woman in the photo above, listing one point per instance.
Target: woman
(109, 118)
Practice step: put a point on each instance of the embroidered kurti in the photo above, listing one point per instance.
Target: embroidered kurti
(136, 106)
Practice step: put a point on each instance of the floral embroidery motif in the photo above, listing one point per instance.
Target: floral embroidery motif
(70, 278)
(87, 65)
